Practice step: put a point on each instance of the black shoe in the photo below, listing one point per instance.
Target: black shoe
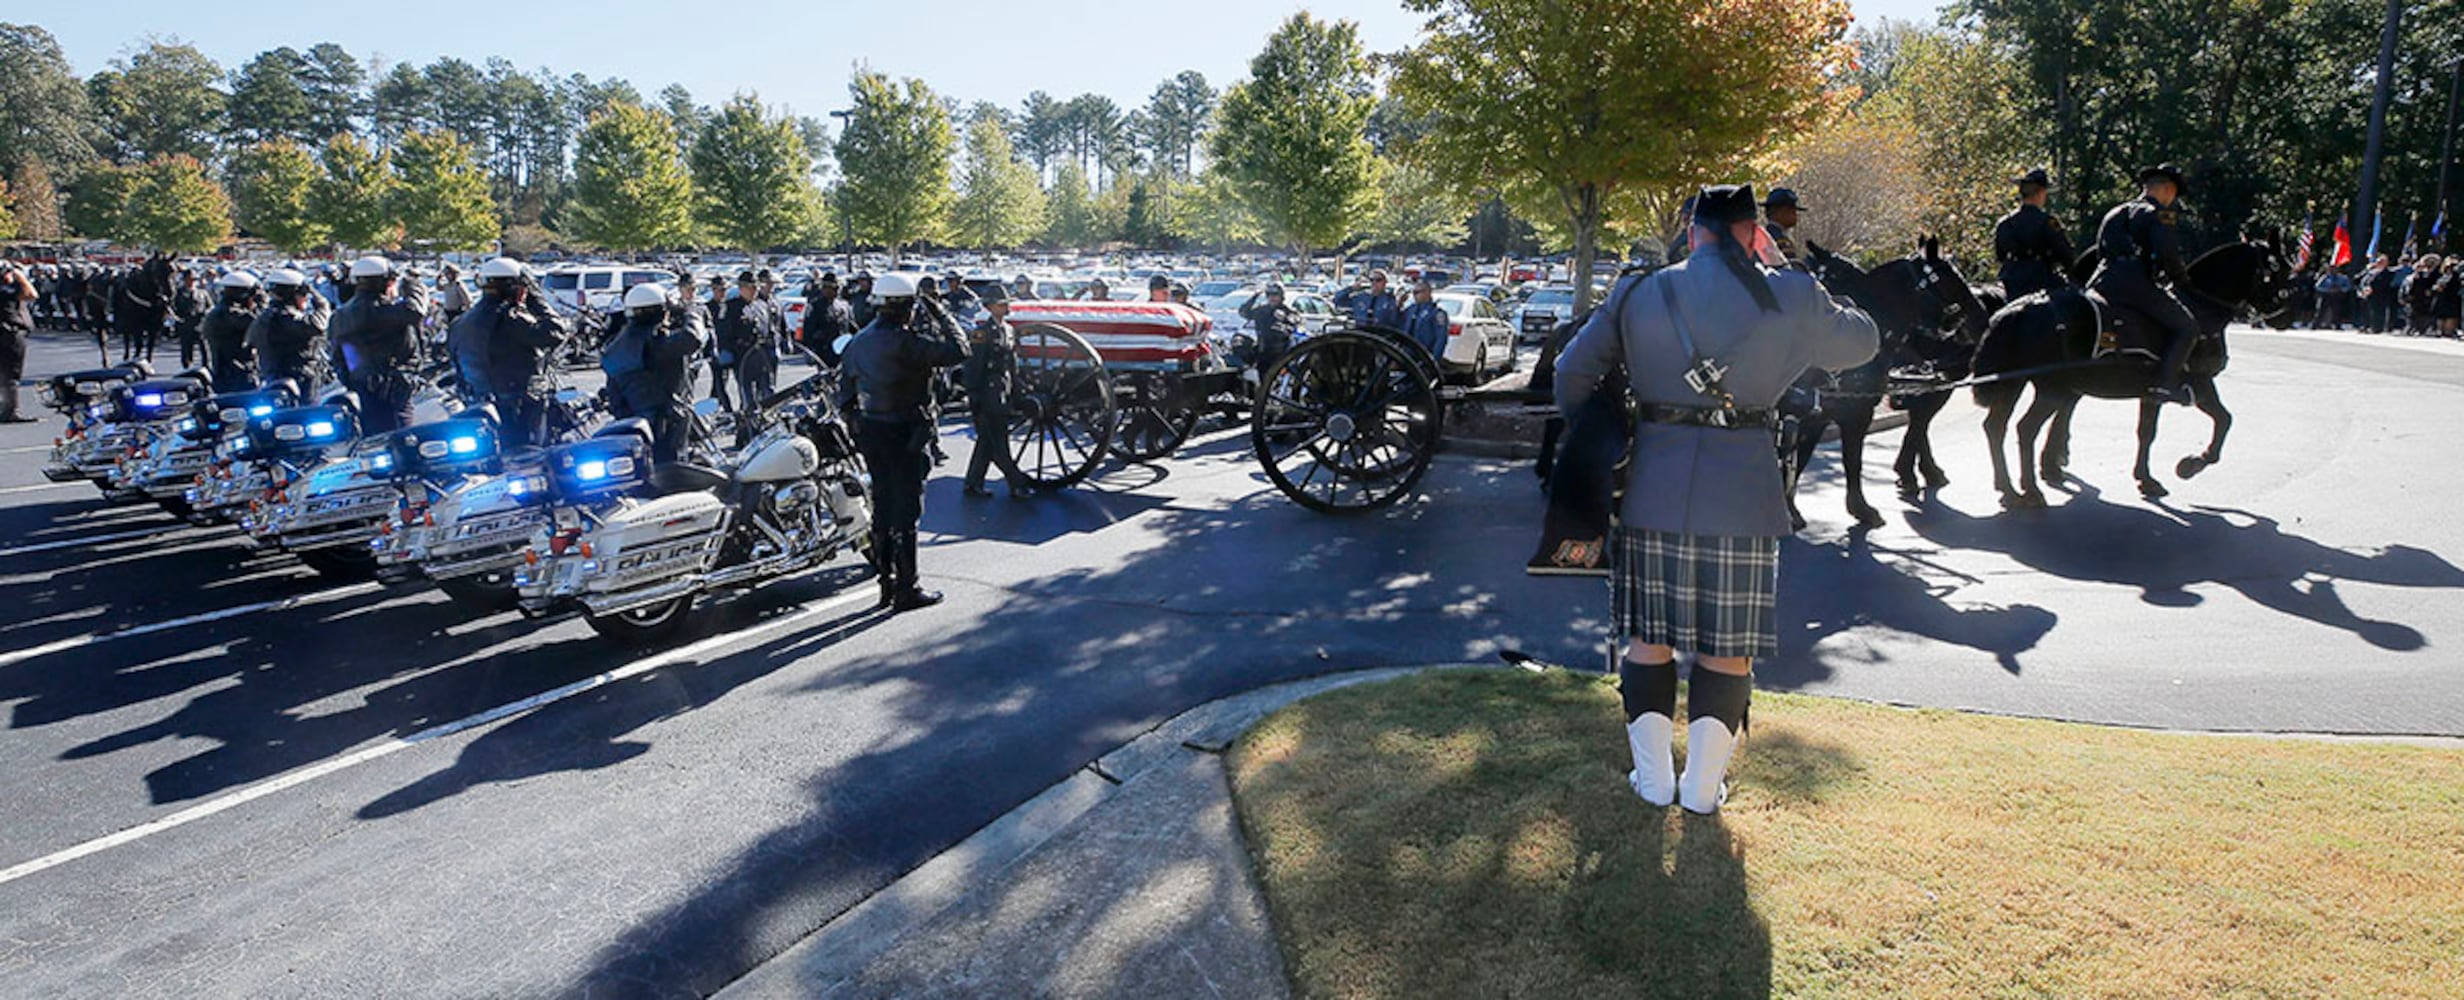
(976, 491)
(1023, 492)
(889, 593)
(915, 597)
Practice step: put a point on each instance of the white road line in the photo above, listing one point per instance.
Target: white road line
(45, 486)
(363, 755)
(68, 543)
(318, 597)
(24, 450)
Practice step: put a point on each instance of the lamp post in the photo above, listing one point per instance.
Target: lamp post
(846, 226)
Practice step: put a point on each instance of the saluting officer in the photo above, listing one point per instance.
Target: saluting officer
(648, 368)
(288, 338)
(1707, 347)
(1275, 324)
(498, 347)
(827, 317)
(887, 376)
(1780, 212)
(377, 335)
(229, 360)
(2029, 242)
(2141, 242)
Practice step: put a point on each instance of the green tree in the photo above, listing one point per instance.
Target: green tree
(268, 100)
(1415, 210)
(895, 156)
(1215, 214)
(1576, 108)
(1291, 135)
(332, 79)
(174, 206)
(630, 188)
(1177, 117)
(1967, 129)
(1040, 134)
(1070, 216)
(97, 200)
(270, 185)
(44, 114)
(160, 101)
(999, 202)
(353, 194)
(752, 184)
(398, 104)
(38, 202)
(439, 197)
(8, 218)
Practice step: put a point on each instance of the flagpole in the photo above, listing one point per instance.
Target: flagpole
(2446, 154)
(2370, 156)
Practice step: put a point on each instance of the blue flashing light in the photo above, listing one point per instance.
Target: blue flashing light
(260, 409)
(516, 488)
(149, 399)
(464, 445)
(321, 429)
(589, 471)
(381, 461)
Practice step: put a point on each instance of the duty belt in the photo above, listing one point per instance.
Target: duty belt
(887, 417)
(1740, 418)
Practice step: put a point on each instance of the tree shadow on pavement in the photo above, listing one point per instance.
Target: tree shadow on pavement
(2164, 551)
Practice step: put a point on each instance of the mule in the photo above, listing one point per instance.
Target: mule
(2049, 341)
(1928, 316)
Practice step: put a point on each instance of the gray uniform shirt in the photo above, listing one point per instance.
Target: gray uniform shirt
(1702, 480)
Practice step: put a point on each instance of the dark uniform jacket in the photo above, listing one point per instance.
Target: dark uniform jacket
(1275, 326)
(2141, 239)
(227, 354)
(499, 348)
(2032, 250)
(745, 328)
(887, 371)
(649, 375)
(287, 341)
(1370, 308)
(825, 321)
(1787, 244)
(375, 340)
(1428, 324)
(1702, 480)
(991, 356)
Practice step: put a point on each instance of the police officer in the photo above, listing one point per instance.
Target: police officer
(1780, 214)
(1159, 288)
(827, 318)
(955, 294)
(746, 331)
(188, 306)
(647, 365)
(498, 347)
(1274, 324)
(230, 362)
(860, 298)
(1371, 306)
(376, 337)
(992, 351)
(1425, 322)
(288, 337)
(2142, 246)
(17, 294)
(2029, 242)
(887, 388)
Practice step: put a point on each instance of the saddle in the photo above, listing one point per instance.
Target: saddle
(2121, 330)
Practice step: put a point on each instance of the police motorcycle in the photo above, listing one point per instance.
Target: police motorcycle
(231, 477)
(329, 489)
(168, 468)
(633, 545)
(111, 410)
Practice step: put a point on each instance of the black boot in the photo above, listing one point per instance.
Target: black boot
(910, 596)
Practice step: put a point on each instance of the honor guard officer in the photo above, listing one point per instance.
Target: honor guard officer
(2141, 242)
(1275, 324)
(288, 337)
(746, 327)
(377, 336)
(992, 352)
(1372, 306)
(886, 384)
(228, 359)
(2029, 242)
(1780, 212)
(648, 369)
(1707, 346)
(827, 317)
(499, 346)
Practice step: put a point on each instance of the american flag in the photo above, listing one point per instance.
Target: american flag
(2302, 259)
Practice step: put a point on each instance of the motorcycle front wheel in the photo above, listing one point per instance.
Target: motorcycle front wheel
(487, 592)
(642, 626)
(340, 564)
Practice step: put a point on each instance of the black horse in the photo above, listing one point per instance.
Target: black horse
(138, 306)
(1929, 319)
(2055, 335)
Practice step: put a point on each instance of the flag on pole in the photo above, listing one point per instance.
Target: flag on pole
(2412, 246)
(2439, 228)
(2343, 253)
(2302, 259)
(2378, 221)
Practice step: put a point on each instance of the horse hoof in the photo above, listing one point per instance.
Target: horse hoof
(1869, 518)
(2023, 501)
(2189, 467)
(1909, 487)
(2055, 473)
(2153, 490)
(1936, 479)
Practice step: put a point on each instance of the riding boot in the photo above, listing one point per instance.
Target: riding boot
(885, 566)
(1715, 709)
(911, 596)
(2169, 387)
(1650, 695)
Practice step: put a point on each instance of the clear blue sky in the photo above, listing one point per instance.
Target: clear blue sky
(796, 54)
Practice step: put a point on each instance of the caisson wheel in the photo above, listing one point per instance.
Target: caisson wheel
(1061, 406)
(1154, 416)
(1347, 422)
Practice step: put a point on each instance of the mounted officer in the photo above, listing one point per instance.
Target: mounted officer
(648, 369)
(288, 338)
(2029, 242)
(1780, 213)
(498, 347)
(377, 337)
(2142, 247)
(233, 366)
(886, 386)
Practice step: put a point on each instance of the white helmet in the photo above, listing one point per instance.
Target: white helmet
(284, 277)
(236, 279)
(371, 266)
(894, 285)
(500, 268)
(646, 295)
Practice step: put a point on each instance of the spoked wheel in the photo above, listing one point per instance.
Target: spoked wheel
(642, 626)
(1348, 422)
(1061, 409)
(1154, 415)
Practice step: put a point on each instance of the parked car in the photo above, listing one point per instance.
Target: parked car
(1541, 313)
(1317, 315)
(597, 287)
(1478, 341)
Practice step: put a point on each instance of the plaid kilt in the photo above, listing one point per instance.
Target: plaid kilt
(1706, 594)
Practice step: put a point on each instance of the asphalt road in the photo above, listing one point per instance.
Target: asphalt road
(324, 793)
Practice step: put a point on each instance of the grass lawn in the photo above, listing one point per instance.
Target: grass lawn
(1470, 833)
